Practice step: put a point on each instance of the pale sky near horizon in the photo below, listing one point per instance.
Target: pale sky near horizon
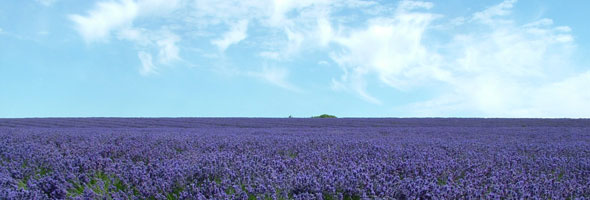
(275, 58)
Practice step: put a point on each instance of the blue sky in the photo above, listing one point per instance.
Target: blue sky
(275, 58)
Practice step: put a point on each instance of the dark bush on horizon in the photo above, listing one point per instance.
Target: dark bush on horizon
(324, 116)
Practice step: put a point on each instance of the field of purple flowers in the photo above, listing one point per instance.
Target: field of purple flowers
(237, 158)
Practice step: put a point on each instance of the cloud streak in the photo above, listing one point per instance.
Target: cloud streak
(236, 34)
(276, 76)
(147, 65)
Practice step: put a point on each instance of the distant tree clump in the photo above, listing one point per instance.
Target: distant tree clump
(324, 116)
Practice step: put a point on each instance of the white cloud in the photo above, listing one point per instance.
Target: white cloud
(164, 41)
(208, 12)
(157, 7)
(271, 13)
(104, 18)
(294, 41)
(491, 66)
(108, 17)
(286, 32)
(147, 66)
(488, 15)
(276, 76)
(289, 33)
(280, 8)
(389, 48)
(406, 5)
(499, 68)
(510, 70)
(325, 32)
(168, 49)
(237, 33)
(290, 25)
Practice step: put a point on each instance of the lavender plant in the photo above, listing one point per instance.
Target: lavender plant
(233, 158)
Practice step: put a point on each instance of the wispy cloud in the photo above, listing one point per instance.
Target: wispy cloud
(236, 34)
(104, 18)
(276, 76)
(147, 65)
(169, 51)
(407, 5)
(492, 70)
(108, 17)
(389, 48)
(494, 66)
(489, 15)
(509, 70)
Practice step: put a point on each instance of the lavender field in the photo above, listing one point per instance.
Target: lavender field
(240, 158)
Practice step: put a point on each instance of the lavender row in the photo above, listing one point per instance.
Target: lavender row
(285, 123)
(295, 163)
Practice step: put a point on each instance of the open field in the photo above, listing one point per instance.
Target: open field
(241, 158)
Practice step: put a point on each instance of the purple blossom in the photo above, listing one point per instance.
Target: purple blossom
(236, 158)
